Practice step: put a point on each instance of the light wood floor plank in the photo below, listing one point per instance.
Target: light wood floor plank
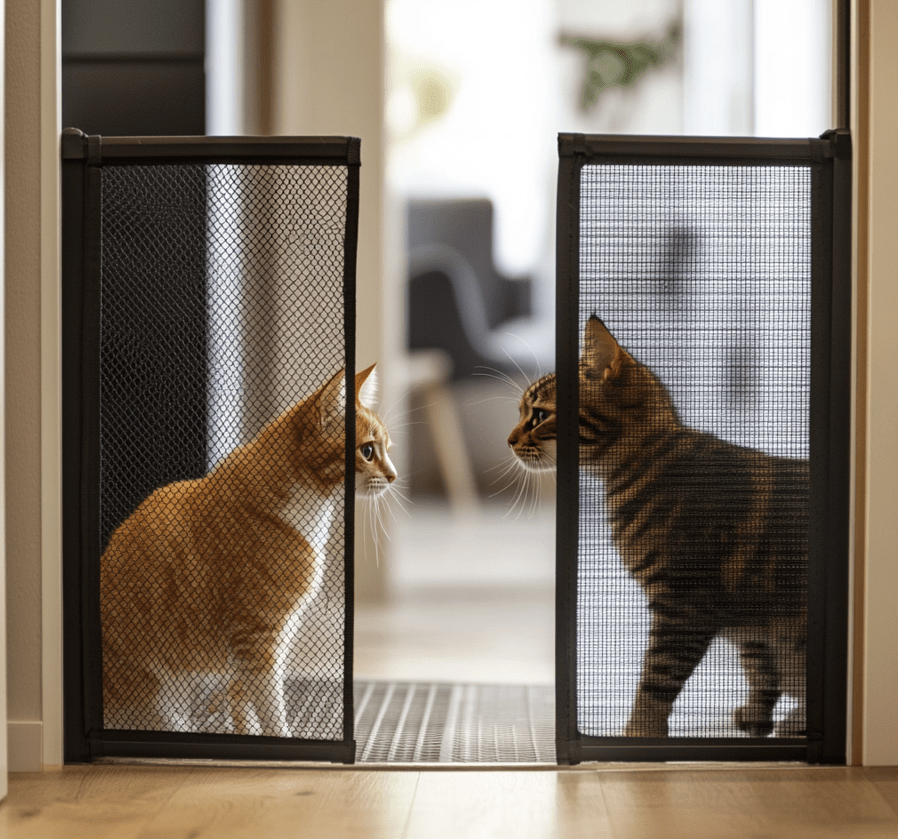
(224, 803)
(477, 805)
(100, 802)
(581, 804)
(885, 779)
(193, 802)
(790, 802)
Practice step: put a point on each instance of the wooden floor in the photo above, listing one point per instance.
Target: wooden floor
(149, 802)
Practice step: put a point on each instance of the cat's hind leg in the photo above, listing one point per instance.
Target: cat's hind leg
(759, 665)
(792, 661)
(131, 696)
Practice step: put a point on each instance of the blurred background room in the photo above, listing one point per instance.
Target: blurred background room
(458, 104)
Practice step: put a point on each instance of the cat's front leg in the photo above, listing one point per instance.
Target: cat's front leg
(260, 681)
(675, 649)
(271, 708)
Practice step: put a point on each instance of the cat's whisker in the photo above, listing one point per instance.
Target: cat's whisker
(512, 360)
(531, 496)
(387, 419)
(509, 470)
(399, 483)
(397, 493)
(515, 479)
(387, 415)
(539, 367)
(372, 524)
(389, 509)
(381, 503)
(513, 399)
(522, 487)
(510, 462)
(536, 498)
(528, 491)
(394, 428)
(394, 495)
(422, 407)
(414, 472)
(509, 467)
(504, 489)
(500, 376)
(502, 463)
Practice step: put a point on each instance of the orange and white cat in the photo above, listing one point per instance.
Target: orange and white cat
(212, 576)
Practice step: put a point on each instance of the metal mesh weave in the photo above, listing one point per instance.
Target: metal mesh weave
(221, 307)
(701, 272)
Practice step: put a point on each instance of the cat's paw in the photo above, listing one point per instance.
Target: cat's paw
(751, 723)
(793, 725)
(646, 728)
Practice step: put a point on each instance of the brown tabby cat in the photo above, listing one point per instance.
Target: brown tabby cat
(211, 576)
(715, 534)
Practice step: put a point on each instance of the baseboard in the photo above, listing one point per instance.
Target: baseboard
(25, 746)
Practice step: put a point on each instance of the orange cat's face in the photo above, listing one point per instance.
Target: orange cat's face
(374, 471)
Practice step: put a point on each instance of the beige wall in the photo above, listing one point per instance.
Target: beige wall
(23, 359)
(879, 561)
(3, 748)
(328, 78)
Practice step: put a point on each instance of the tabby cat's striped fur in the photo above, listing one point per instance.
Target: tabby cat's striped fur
(212, 576)
(715, 534)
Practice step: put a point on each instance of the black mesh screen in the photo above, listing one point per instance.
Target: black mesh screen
(222, 595)
(703, 274)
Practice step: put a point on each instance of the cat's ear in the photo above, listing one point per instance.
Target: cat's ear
(332, 400)
(366, 387)
(602, 355)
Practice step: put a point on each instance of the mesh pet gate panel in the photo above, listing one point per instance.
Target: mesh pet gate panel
(209, 454)
(696, 558)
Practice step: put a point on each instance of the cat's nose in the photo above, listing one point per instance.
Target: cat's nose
(513, 438)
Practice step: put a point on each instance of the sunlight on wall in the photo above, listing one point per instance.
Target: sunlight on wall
(792, 68)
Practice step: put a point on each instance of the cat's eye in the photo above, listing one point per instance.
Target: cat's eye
(539, 416)
(367, 451)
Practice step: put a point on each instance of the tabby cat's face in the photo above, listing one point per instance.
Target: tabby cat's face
(533, 438)
(621, 401)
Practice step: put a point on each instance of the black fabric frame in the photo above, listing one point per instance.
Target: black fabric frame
(84, 159)
(829, 159)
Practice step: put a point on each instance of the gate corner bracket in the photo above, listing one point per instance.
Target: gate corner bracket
(840, 142)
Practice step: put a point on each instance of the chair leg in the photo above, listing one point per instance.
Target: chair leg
(451, 447)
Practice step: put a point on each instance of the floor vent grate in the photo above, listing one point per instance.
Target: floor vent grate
(406, 722)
